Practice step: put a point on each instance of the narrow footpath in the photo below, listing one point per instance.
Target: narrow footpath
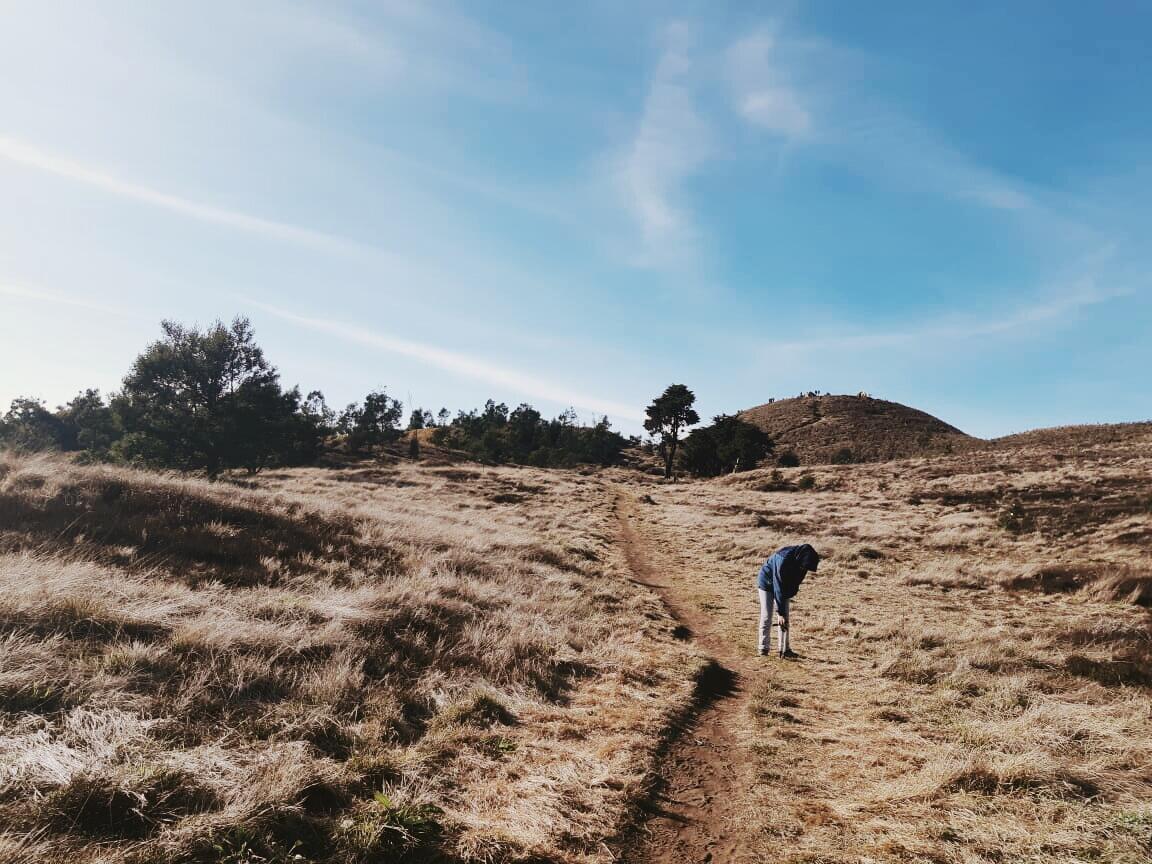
(791, 760)
(695, 811)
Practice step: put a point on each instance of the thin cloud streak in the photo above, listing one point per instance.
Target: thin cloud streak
(857, 124)
(463, 365)
(32, 157)
(933, 333)
(35, 294)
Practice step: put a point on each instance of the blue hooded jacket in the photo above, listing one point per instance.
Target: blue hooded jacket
(783, 572)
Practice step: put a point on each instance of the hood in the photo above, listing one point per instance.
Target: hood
(807, 557)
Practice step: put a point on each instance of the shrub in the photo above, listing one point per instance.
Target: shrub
(1015, 519)
(28, 425)
(729, 444)
(788, 459)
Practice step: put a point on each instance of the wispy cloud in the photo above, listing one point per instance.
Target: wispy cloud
(23, 292)
(949, 330)
(452, 49)
(29, 156)
(857, 124)
(761, 92)
(464, 365)
(880, 139)
(671, 141)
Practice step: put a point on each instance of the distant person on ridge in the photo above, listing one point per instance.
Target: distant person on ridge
(778, 582)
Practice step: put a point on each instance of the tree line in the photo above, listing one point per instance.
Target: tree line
(523, 436)
(208, 400)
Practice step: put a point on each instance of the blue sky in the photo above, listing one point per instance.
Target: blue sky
(942, 204)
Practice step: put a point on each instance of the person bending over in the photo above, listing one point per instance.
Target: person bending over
(778, 581)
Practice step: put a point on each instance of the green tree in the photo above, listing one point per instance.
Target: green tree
(28, 425)
(667, 416)
(729, 444)
(208, 399)
(375, 422)
(315, 409)
(420, 419)
(526, 431)
(90, 424)
(601, 444)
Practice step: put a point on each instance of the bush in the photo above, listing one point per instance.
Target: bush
(1015, 519)
(788, 459)
(843, 456)
(729, 444)
(28, 425)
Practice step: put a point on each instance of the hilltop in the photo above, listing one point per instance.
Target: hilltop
(817, 428)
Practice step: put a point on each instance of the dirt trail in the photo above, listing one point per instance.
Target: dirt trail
(695, 811)
(720, 799)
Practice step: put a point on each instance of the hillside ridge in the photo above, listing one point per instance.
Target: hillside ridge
(825, 428)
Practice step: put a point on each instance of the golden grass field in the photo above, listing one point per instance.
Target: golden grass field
(977, 658)
(430, 662)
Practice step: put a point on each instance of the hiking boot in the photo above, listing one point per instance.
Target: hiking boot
(789, 655)
(763, 652)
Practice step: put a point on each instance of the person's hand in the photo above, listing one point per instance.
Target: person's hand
(783, 623)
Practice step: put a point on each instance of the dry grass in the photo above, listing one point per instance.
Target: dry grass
(341, 665)
(380, 662)
(974, 688)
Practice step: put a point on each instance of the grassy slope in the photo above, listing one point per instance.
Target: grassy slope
(978, 675)
(345, 665)
(816, 427)
(213, 672)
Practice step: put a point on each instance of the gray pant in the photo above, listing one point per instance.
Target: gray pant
(766, 603)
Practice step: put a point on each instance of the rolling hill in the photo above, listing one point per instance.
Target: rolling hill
(1078, 438)
(858, 428)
